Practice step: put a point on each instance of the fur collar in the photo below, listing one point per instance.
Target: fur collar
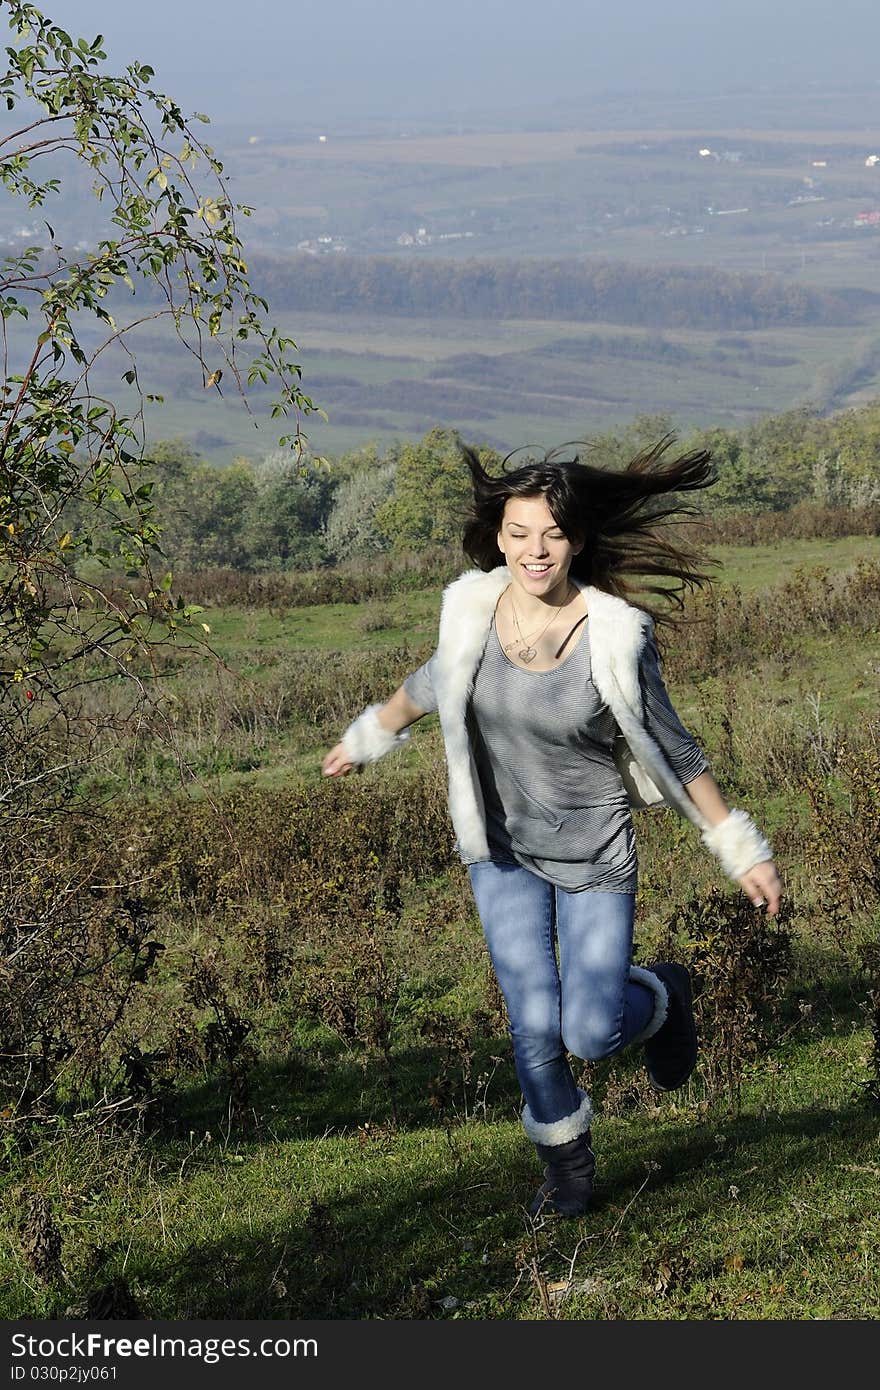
(617, 633)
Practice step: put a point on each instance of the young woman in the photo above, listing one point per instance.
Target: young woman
(556, 722)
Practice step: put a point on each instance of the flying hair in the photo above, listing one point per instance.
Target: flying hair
(619, 514)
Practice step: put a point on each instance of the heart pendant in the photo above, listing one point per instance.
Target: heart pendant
(527, 654)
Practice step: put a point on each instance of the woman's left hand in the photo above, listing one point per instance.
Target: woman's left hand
(763, 885)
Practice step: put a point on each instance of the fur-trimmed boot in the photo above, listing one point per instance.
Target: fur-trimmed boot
(565, 1148)
(671, 1052)
(670, 1036)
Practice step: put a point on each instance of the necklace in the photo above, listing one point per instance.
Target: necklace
(528, 652)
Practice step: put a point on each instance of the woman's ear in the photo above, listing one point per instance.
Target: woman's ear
(500, 543)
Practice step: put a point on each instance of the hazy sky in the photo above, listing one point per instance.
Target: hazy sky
(299, 60)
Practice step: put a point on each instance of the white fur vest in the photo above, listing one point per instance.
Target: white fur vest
(617, 632)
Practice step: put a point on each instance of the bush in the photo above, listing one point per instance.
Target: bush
(351, 531)
(740, 960)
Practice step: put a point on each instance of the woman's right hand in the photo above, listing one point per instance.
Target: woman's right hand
(338, 763)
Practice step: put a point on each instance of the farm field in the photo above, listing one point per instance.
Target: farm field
(643, 196)
(639, 194)
(782, 201)
(506, 383)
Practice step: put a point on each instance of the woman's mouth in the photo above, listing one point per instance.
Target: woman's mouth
(537, 570)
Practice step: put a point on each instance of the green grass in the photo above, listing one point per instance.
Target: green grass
(327, 1208)
(334, 1194)
(820, 679)
(243, 635)
(249, 635)
(758, 567)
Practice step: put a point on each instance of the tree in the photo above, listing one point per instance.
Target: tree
(288, 514)
(351, 530)
(75, 498)
(432, 493)
(617, 446)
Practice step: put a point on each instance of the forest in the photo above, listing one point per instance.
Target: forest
(613, 292)
(278, 515)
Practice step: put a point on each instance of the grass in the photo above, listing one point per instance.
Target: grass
(824, 678)
(324, 1207)
(351, 1185)
(244, 635)
(237, 634)
(757, 568)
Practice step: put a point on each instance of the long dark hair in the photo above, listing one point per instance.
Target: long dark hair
(611, 510)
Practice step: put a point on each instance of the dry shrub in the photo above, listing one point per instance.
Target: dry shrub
(218, 721)
(77, 949)
(740, 960)
(328, 688)
(726, 628)
(842, 859)
(869, 954)
(348, 979)
(616, 1087)
(293, 845)
(352, 581)
(305, 892)
(225, 1033)
(41, 1240)
(842, 848)
(374, 620)
(295, 891)
(804, 521)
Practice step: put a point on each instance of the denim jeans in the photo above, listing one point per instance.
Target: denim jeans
(587, 1004)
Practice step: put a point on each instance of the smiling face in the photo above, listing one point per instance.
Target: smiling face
(537, 551)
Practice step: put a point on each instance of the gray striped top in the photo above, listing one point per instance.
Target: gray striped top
(554, 799)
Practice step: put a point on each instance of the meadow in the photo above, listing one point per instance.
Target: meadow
(288, 1092)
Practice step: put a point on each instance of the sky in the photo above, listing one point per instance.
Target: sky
(307, 61)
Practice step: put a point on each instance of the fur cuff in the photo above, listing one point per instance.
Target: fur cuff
(365, 741)
(661, 1002)
(737, 843)
(560, 1131)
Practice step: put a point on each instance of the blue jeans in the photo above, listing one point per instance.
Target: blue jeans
(587, 1004)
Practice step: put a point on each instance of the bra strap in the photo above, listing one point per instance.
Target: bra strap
(565, 640)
